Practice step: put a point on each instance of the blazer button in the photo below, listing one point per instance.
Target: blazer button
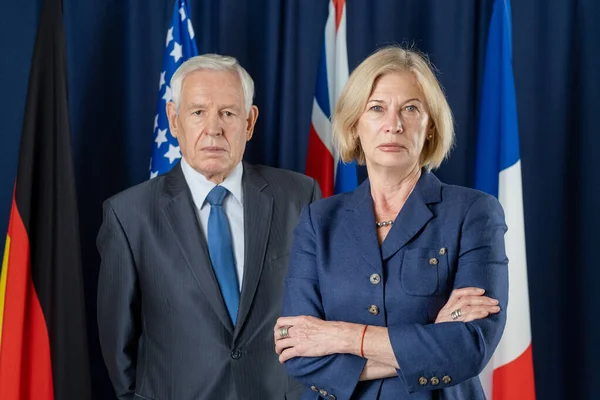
(314, 388)
(332, 397)
(375, 279)
(433, 261)
(236, 354)
(422, 381)
(323, 392)
(435, 381)
(374, 310)
(446, 379)
(442, 251)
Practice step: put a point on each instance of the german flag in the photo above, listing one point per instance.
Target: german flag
(43, 351)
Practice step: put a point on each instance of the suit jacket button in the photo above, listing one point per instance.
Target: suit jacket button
(332, 397)
(446, 379)
(433, 261)
(442, 251)
(374, 310)
(422, 381)
(375, 279)
(435, 381)
(323, 392)
(236, 354)
(314, 388)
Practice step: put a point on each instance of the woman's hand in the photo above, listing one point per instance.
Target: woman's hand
(306, 336)
(466, 305)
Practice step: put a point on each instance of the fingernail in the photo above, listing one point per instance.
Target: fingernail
(480, 291)
(496, 308)
(494, 301)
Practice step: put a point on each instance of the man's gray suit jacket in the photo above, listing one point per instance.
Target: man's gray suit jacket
(164, 329)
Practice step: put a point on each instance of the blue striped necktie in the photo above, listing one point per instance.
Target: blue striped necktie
(220, 249)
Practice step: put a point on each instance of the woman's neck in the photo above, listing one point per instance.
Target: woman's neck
(390, 190)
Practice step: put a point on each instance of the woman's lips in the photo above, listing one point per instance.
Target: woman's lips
(390, 147)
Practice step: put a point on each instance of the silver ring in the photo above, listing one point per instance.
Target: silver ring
(283, 332)
(455, 314)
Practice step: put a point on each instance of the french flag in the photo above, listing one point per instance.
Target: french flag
(321, 161)
(509, 374)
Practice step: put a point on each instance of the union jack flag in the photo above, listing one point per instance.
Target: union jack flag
(321, 162)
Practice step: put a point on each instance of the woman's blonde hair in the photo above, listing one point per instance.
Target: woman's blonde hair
(354, 97)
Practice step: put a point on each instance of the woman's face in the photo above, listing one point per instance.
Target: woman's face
(394, 124)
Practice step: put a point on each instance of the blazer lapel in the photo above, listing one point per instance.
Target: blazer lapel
(414, 215)
(182, 218)
(360, 225)
(258, 211)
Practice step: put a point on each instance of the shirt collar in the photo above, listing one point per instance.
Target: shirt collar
(200, 186)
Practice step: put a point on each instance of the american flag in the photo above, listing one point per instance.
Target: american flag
(179, 46)
(321, 161)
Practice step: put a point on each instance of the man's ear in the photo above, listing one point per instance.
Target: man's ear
(251, 122)
(172, 117)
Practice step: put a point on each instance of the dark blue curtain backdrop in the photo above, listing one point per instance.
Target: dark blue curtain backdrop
(115, 50)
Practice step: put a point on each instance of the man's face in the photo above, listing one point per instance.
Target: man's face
(212, 125)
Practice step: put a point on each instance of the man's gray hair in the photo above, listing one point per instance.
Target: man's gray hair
(213, 62)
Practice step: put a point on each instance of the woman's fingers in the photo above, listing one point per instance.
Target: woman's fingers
(477, 314)
(475, 301)
(284, 325)
(282, 332)
(469, 291)
(282, 344)
(471, 313)
(457, 294)
(475, 309)
(287, 354)
(306, 336)
(470, 300)
(458, 307)
(289, 321)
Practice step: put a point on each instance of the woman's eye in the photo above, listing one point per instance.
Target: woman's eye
(376, 108)
(411, 108)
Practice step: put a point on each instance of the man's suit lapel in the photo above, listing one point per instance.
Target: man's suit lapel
(182, 218)
(414, 215)
(258, 212)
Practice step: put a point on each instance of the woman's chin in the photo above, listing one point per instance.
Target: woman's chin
(393, 163)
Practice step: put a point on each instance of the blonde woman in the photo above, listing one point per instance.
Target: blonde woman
(397, 290)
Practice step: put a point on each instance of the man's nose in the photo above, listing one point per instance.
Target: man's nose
(213, 125)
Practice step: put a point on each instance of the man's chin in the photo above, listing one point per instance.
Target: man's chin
(213, 168)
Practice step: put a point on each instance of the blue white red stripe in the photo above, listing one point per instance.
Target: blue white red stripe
(509, 375)
(321, 161)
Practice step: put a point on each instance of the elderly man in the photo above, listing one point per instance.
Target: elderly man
(193, 261)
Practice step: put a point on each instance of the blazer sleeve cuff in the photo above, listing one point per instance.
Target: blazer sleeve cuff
(336, 375)
(427, 355)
